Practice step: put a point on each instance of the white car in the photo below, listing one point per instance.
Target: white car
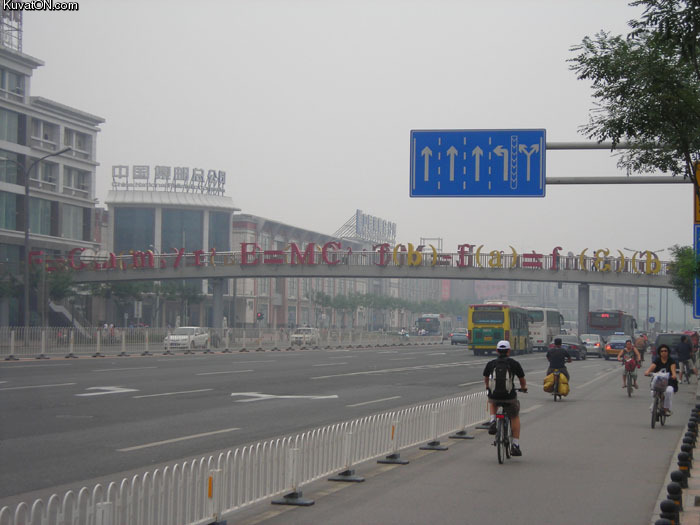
(305, 336)
(187, 337)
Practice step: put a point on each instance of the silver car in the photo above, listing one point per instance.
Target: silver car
(189, 337)
(595, 344)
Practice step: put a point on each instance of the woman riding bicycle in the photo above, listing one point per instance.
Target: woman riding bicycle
(629, 352)
(664, 363)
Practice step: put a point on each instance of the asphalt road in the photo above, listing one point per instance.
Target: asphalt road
(65, 424)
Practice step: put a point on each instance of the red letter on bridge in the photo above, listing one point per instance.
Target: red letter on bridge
(245, 253)
(465, 252)
(307, 258)
(324, 252)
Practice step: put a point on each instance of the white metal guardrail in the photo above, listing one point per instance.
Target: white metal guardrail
(36, 342)
(199, 492)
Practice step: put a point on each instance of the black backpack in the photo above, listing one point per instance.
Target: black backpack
(501, 379)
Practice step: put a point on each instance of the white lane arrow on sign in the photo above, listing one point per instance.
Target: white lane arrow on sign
(106, 390)
(257, 396)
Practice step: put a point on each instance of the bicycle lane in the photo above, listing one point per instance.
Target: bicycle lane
(580, 466)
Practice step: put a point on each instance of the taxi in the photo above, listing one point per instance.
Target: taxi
(615, 343)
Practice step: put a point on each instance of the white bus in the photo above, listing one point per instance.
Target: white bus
(545, 325)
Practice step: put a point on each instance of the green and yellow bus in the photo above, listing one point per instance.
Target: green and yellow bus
(490, 323)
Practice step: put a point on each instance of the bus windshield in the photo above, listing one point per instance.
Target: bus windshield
(487, 317)
(536, 316)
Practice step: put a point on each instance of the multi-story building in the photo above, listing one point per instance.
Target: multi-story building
(61, 189)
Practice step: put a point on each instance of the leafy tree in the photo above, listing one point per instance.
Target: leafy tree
(647, 86)
(684, 269)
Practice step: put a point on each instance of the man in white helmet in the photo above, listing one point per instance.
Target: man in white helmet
(498, 377)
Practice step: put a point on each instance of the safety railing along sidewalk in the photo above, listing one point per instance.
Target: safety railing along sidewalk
(41, 343)
(200, 492)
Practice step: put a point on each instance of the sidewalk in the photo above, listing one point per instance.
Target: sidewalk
(444, 484)
(691, 495)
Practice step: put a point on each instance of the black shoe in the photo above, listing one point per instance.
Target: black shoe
(515, 450)
(492, 427)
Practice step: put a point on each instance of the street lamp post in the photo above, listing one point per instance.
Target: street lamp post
(26, 173)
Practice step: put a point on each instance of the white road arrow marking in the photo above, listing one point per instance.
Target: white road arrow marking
(107, 390)
(426, 152)
(452, 152)
(501, 152)
(477, 153)
(257, 396)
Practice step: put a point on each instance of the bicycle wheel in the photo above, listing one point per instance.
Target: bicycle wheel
(500, 441)
(654, 411)
(662, 412)
(630, 384)
(556, 388)
(508, 436)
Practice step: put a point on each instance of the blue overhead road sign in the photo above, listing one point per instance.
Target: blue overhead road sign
(478, 163)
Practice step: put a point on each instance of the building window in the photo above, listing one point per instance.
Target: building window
(46, 172)
(8, 210)
(79, 142)
(8, 168)
(11, 84)
(76, 179)
(71, 222)
(39, 216)
(45, 135)
(292, 287)
(9, 126)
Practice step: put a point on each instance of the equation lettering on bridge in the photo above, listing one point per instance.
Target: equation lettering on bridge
(334, 253)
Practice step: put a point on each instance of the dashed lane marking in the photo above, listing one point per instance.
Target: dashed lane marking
(223, 372)
(35, 386)
(174, 393)
(375, 401)
(175, 440)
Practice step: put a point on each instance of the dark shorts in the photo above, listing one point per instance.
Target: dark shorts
(510, 406)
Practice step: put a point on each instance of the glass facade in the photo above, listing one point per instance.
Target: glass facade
(9, 126)
(39, 216)
(8, 168)
(71, 221)
(134, 229)
(219, 226)
(182, 229)
(8, 210)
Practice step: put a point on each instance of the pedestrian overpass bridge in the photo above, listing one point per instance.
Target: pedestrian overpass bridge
(599, 267)
(333, 260)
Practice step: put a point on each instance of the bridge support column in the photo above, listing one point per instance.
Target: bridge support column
(583, 306)
(218, 303)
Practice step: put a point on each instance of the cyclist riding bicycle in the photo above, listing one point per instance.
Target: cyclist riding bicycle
(684, 350)
(664, 363)
(558, 357)
(504, 395)
(629, 352)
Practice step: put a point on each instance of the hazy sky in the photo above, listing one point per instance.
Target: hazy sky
(308, 106)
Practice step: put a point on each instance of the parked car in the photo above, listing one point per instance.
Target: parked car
(614, 344)
(594, 343)
(187, 337)
(573, 345)
(459, 336)
(671, 339)
(305, 335)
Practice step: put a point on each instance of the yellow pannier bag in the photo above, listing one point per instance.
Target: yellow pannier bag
(563, 385)
(549, 383)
